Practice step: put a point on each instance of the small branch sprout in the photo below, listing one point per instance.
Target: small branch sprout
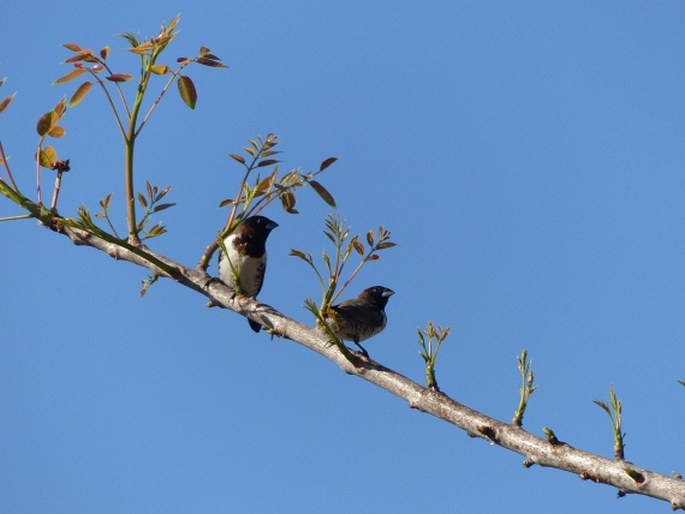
(527, 388)
(614, 410)
(430, 340)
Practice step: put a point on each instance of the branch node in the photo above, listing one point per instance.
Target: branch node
(586, 475)
(638, 477)
(528, 463)
(489, 433)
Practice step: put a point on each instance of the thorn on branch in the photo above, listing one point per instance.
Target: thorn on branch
(551, 437)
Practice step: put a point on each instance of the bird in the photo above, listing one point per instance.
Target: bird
(359, 319)
(243, 265)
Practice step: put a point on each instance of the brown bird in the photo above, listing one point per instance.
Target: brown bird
(244, 264)
(361, 318)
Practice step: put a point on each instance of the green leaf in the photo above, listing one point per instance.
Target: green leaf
(322, 192)
(160, 69)
(298, 253)
(80, 94)
(131, 38)
(47, 157)
(186, 88)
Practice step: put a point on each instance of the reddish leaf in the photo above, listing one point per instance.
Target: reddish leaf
(369, 238)
(288, 202)
(266, 184)
(56, 131)
(322, 192)
(46, 122)
(186, 88)
(60, 108)
(72, 46)
(210, 62)
(83, 55)
(119, 77)
(266, 162)
(6, 102)
(225, 202)
(325, 164)
(237, 157)
(75, 73)
(162, 206)
(204, 51)
(142, 200)
(359, 248)
(142, 48)
(80, 93)
(386, 244)
(104, 53)
(104, 203)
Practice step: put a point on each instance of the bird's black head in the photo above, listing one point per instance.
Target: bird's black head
(377, 295)
(250, 235)
(259, 224)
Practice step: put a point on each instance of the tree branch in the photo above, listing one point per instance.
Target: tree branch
(623, 475)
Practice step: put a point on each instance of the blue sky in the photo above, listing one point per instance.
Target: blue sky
(528, 158)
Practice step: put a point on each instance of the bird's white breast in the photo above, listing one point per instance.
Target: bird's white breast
(250, 270)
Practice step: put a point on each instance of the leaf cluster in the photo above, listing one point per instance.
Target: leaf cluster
(430, 340)
(256, 191)
(614, 409)
(330, 276)
(527, 388)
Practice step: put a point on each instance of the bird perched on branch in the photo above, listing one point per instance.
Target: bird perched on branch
(361, 318)
(243, 265)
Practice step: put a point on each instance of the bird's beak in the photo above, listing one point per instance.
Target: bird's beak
(271, 225)
(388, 292)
